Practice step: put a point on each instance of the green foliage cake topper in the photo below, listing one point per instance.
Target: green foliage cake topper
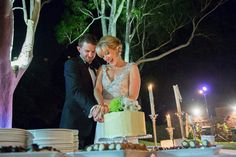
(116, 105)
(123, 104)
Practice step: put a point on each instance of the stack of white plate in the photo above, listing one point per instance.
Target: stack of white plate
(65, 140)
(15, 137)
(76, 140)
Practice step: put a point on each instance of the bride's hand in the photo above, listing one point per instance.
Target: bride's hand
(104, 108)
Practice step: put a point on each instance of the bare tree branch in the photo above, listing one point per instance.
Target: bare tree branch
(45, 2)
(195, 25)
(24, 11)
(93, 19)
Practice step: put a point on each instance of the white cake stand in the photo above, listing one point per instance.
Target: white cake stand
(121, 139)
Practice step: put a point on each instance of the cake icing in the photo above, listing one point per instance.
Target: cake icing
(124, 123)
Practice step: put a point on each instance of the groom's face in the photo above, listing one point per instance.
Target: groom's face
(87, 51)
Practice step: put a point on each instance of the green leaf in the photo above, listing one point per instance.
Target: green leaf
(115, 105)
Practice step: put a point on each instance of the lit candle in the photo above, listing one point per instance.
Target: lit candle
(168, 121)
(178, 98)
(151, 99)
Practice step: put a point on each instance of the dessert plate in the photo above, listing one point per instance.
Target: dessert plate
(194, 152)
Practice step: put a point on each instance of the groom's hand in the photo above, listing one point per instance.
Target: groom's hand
(96, 112)
(99, 111)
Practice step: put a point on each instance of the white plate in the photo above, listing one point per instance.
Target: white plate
(8, 137)
(193, 152)
(228, 152)
(52, 134)
(55, 141)
(13, 144)
(76, 132)
(53, 138)
(13, 130)
(51, 143)
(62, 145)
(53, 130)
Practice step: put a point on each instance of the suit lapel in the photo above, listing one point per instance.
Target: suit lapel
(85, 72)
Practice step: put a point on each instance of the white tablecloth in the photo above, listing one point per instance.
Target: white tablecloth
(33, 154)
(170, 153)
(129, 153)
(197, 152)
(111, 153)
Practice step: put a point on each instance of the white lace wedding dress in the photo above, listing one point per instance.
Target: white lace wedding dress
(119, 86)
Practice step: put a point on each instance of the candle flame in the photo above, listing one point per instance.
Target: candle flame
(150, 86)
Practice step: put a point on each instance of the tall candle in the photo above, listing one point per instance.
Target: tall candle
(151, 99)
(178, 98)
(169, 125)
(187, 118)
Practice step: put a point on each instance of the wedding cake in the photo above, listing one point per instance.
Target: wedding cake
(124, 119)
(126, 123)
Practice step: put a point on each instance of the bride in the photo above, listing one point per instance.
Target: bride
(117, 78)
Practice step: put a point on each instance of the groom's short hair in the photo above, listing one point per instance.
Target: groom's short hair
(88, 38)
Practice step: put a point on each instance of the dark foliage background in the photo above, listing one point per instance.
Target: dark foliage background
(39, 97)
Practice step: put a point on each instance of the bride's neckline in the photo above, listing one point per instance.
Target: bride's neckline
(118, 67)
(113, 71)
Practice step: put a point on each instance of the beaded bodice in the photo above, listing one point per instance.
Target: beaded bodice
(119, 85)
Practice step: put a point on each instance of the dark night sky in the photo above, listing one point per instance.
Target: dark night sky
(211, 61)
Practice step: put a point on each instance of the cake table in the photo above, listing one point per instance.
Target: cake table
(193, 152)
(111, 153)
(33, 154)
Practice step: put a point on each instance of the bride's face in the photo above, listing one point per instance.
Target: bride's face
(111, 56)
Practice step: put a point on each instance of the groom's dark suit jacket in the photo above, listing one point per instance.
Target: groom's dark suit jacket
(79, 97)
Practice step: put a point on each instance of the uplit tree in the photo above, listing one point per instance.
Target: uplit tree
(149, 29)
(11, 70)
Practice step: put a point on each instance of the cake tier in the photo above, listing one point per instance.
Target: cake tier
(125, 123)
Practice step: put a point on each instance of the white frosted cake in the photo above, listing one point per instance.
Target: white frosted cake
(171, 143)
(125, 123)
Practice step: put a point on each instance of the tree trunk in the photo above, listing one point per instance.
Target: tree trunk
(6, 73)
(11, 72)
(127, 31)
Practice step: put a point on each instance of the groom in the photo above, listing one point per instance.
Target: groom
(79, 101)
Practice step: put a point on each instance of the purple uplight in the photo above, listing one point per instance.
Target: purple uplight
(200, 92)
(204, 88)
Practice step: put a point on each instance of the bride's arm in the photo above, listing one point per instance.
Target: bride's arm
(134, 82)
(98, 88)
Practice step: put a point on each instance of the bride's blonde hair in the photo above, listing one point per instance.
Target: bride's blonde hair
(108, 41)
